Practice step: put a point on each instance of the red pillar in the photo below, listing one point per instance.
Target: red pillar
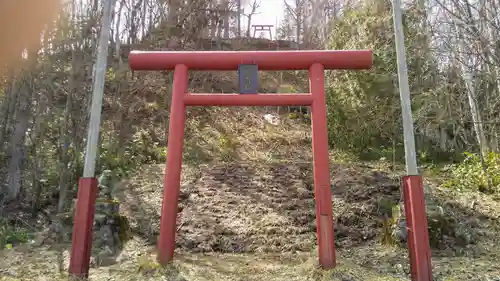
(321, 170)
(418, 235)
(82, 228)
(171, 189)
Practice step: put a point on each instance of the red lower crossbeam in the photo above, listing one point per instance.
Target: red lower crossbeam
(247, 99)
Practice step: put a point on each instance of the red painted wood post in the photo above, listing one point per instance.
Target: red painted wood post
(418, 235)
(82, 229)
(171, 189)
(321, 170)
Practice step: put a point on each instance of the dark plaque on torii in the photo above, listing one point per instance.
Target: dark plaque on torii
(248, 76)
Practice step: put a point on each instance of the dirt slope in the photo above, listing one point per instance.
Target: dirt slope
(257, 208)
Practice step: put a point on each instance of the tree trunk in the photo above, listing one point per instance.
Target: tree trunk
(17, 140)
(249, 24)
(38, 129)
(7, 111)
(65, 142)
(225, 8)
(298, 20)
(117, 34)
(174, 7)
(476, 116)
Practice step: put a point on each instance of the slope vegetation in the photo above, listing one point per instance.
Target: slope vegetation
(246, 209)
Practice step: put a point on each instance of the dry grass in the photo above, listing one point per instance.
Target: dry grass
(137, 262)
(244, 136)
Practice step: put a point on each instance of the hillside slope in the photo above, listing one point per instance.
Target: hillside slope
(257, 195)
(247, 213)
(247, 209)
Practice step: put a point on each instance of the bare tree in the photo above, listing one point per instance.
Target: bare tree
(253, 11)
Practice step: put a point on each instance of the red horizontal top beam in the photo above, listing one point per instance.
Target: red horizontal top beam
(247, 99)
(266, 60)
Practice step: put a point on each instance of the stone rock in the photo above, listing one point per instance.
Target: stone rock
(107, 224)
(105, 257)
(400, 231)
(106, 184)
(463, 235)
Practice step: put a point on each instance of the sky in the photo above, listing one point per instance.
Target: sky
(269, 12)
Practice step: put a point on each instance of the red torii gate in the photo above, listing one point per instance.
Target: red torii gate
(313, 61)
